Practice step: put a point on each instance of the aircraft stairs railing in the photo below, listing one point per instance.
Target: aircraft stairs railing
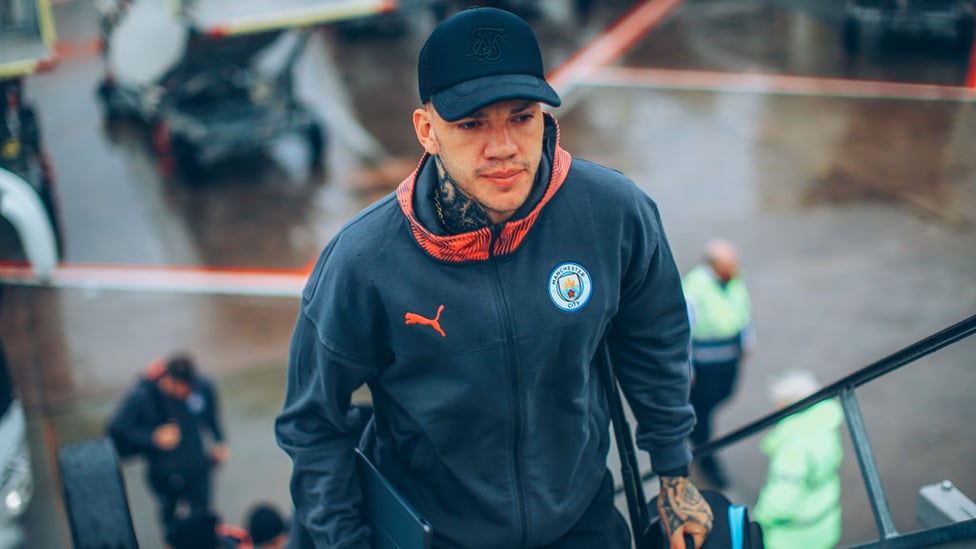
(845, 389)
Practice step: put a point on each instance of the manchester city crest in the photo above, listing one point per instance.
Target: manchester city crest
(570, 286)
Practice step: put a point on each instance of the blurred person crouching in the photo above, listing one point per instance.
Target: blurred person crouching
(799, 506)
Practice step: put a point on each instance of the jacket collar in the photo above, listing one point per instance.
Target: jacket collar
(414, 201)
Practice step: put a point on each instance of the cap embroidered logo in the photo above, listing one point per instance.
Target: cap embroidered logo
(486, 45)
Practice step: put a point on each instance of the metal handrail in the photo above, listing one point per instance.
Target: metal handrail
(844, 388)
(943, 338)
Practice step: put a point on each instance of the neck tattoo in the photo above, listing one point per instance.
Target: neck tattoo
(457, 212)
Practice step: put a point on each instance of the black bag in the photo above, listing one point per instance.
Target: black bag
(731, 529)
(394, 522)
(123, 448)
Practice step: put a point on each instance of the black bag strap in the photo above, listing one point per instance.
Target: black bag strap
(641, 525)
(161, 404)
(629, 469)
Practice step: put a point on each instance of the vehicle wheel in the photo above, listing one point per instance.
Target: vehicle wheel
(965, 29)
(851, 35)
(106, 92)
(163, 148)
(47, 194)
(316, 146)
(30, 128)
(185, 160)
(349, 31)
(94, 496)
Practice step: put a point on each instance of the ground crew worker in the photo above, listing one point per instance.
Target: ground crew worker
(721, 333)
(172, 418)
(799, 506)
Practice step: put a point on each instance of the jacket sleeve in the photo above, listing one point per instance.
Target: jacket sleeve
(214, 424)
(331, 355)
(133, 422)
(649, 341)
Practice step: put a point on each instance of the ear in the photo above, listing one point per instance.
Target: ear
(422, 124)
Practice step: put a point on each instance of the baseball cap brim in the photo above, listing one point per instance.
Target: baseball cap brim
(467, 97)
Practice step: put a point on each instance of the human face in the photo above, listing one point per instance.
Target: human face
(174, 387)
(491, 155)
(726, 267)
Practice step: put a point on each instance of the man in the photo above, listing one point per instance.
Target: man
(477, 303)
(721, 333)
(799, 506)
(168, 418)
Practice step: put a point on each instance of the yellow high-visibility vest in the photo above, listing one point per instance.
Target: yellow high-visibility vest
(718, 312)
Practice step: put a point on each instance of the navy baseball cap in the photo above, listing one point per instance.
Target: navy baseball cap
(480, 56)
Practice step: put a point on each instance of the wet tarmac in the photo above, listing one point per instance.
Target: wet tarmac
(848, 183)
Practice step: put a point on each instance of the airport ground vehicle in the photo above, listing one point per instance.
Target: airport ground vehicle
(216, 80)
(952, 18)
(22, 152)
(26, 46)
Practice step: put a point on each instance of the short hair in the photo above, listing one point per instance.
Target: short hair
(264, 523)
(792, 386)
(181, 367)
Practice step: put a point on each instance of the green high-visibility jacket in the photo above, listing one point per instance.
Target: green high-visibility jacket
(799, 506)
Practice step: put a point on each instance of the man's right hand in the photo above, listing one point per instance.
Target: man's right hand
(684, 512)
(166, 436)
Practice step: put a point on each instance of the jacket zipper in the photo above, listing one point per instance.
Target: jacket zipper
(511, 361)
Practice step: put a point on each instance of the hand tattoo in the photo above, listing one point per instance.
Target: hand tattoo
(457, 212)
(680, 502)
